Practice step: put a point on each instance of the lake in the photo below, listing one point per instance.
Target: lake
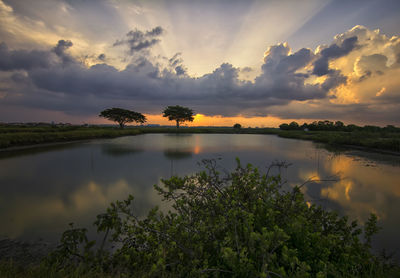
(42, 189)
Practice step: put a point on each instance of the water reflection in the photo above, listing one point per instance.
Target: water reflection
(176, 154)
(73, 183)
(363, 188)
(119, 150)
(39, 149)
(34, 211)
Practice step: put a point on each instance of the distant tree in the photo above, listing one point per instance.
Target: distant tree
(304, 126)
(237, 126)
(294, 126)
(352, 127)
(284, 127)
(339, 125)
(179, 114)
(391, 128)
(122, 116)
(372, 128)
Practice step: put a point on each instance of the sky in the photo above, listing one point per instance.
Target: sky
(254, 62)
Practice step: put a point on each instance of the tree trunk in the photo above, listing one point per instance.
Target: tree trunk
(177, 124)
(121, 125)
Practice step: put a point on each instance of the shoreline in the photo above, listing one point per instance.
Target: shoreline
(58, 138)
(40, 145)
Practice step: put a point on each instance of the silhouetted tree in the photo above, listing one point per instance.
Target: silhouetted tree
(304, 126)
(284, 127)
(391, 128)
(122, 116)
(179, 114)
(339, 125)
(372, 128)
(352, 127)
(237, 126)
(294, 126)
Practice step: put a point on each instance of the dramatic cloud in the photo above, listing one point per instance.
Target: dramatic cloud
(60, 51)
(281, 77)
(23, 59)
(321, 66)
(137, 40)
(355, 78)
(101, 57)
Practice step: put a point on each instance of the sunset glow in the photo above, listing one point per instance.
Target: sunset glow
(257, 63)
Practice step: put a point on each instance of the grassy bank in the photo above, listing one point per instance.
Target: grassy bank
(368, 140)
(22, 136)
(12, 136)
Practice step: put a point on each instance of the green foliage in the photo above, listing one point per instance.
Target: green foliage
(242, 224)
(338, 126)
(237, 126)
(10, 269)
(179, 114)
(364, 139)
(122, 116)
(30, 136)
(294, 125)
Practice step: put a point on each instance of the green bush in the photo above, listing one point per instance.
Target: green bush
(242, 224)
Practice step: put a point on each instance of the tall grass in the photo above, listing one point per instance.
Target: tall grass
(10, 269)
(39, 136)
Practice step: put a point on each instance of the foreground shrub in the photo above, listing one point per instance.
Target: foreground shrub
(241, 224)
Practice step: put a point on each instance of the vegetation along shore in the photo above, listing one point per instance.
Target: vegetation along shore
(369, 138)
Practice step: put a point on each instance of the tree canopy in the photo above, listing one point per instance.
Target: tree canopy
(122, 116)
(327, 125)
(179, 114)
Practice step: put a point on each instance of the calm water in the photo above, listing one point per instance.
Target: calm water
(44, 189)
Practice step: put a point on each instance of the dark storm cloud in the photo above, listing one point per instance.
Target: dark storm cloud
(138, 40)
(280, 79)
(180, 70)
(73, 87)
(61, 47)
(149, 87)
(22, 59)
(54, 80)
(293, 62)
(60, 50)
(176, 63)
(157, 31)
(335, 78)
(321, 65)
(175, 60)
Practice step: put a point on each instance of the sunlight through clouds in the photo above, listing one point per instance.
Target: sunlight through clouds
(200, 54)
